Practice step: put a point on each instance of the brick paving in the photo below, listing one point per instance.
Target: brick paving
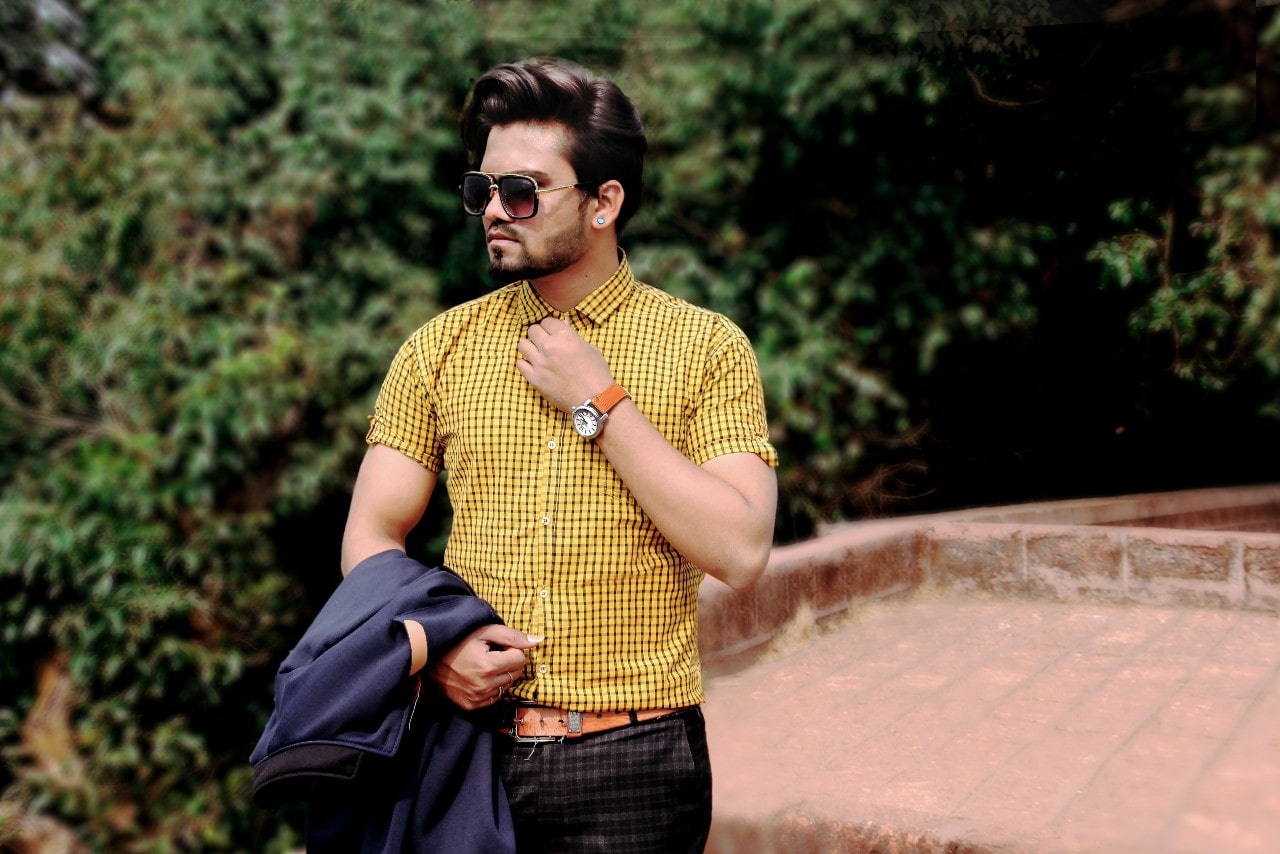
(942, 722)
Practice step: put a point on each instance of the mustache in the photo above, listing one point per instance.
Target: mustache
(498, 231)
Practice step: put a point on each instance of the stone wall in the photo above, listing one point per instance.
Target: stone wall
(1217, 548)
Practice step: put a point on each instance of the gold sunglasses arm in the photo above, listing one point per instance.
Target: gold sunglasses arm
(553, 189)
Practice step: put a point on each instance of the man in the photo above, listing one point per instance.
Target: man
(606, 445)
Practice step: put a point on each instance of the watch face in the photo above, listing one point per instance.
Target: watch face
(585, 422)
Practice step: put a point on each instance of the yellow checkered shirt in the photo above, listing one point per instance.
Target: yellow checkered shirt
(543, 528)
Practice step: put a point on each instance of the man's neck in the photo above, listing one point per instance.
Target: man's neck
(564, 290)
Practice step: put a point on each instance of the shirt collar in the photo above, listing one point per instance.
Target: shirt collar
(596, 307)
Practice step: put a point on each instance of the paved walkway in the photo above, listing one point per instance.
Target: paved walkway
(955, 724)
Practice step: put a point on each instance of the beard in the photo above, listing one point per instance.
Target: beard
(564, 248)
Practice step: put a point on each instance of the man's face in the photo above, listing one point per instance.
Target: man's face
(554, 238)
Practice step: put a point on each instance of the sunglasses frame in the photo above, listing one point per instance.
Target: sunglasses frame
(495, 177)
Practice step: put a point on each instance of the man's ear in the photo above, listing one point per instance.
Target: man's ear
(608, 204)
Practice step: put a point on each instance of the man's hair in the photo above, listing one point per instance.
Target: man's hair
(606, 136)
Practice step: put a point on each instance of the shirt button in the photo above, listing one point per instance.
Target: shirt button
(544, 593)
(552, 444)
(542, 668)
(546, 520)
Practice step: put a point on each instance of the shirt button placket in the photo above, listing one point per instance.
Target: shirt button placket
(542, 568)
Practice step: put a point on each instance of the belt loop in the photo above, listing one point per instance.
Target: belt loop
(635, 719)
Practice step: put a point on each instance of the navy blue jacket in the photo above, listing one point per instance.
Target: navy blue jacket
(340, 737)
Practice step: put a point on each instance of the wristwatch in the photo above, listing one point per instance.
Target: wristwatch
(589, 418)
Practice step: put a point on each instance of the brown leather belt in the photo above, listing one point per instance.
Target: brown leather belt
(544, 723)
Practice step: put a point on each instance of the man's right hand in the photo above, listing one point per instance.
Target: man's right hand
(476, 672)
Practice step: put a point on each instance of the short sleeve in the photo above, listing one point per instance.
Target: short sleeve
(729, 416)
(403, 416)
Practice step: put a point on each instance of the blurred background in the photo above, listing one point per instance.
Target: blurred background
(988, 252)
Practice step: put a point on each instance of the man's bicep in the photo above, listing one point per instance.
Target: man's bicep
(753, 479)
(390, 495)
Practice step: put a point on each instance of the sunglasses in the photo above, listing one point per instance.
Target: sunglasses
(517, 193)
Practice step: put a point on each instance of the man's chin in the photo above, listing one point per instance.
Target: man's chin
(503, 268)
(502, 274)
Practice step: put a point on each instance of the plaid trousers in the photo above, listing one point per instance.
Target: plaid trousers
(644, 787)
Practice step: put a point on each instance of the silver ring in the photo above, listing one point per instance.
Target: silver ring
(511, 680)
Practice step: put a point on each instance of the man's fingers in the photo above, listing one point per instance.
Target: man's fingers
(549, 327)
(538, 332)
(552, 324)
(498, 635)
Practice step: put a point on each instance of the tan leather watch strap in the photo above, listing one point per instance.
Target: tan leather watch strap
(610, 397)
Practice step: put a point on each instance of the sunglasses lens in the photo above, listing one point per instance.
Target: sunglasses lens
(519, 195)
(475, 193)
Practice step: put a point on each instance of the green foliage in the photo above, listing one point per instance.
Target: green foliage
(1215, 310)
(219, 220)
(881, 193)
(199, 300)
(829, 137)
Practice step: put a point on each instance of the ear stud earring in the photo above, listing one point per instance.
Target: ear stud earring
(599, 220)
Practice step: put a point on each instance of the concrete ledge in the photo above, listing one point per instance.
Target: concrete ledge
(1246, 508)
(1153, 566)
(1216, 548)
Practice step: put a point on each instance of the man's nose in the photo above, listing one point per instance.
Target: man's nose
(493, 198)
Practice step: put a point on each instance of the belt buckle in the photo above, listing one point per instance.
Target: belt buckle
(574, 727)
